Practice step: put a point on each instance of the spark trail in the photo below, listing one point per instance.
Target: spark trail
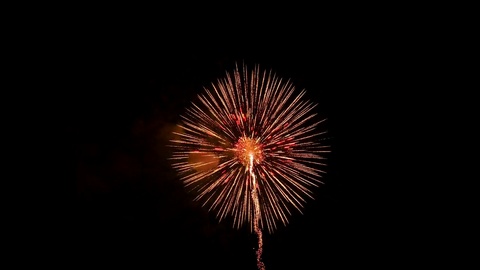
(256, 217)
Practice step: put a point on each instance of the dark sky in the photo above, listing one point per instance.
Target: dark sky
(134, 80)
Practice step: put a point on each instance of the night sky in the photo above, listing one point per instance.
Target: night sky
(133, 82)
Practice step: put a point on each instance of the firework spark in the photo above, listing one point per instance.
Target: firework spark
(250, 149)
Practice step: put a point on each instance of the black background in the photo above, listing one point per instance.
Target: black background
(132, 78)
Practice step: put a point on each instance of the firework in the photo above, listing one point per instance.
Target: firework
(250, 149)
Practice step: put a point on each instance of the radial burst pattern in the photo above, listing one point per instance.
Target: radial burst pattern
(251, 132)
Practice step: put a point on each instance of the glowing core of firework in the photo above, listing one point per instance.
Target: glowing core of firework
(248, 150)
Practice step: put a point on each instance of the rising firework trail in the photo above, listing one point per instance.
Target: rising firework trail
(250, 149)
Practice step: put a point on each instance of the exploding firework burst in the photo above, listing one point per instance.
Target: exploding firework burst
(250, 149)
(251, 133)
